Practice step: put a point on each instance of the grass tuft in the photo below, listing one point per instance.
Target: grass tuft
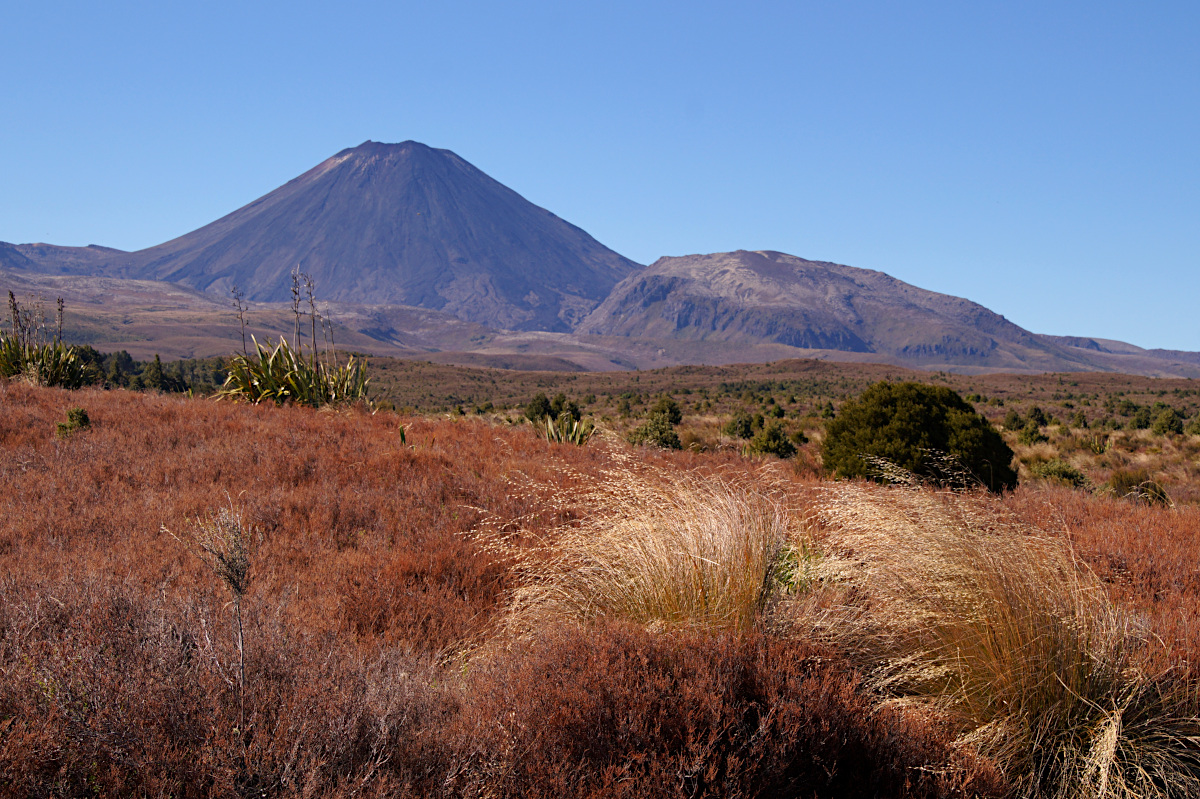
(664, 548)
(953, 606)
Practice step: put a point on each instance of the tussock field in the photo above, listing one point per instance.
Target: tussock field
(441, 606)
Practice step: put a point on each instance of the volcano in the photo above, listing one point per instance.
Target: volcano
(397, 224)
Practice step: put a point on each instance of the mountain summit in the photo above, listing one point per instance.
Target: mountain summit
(748, 298)
(398, 224)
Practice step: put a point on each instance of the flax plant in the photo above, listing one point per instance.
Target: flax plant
(566, 430)
(1000, 629)
(26, 354)
(282, 374)
(661, 548)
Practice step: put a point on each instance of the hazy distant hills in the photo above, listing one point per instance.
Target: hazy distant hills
(416, 252)
(50, 259)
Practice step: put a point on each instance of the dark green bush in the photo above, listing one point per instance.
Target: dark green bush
(912, 426)
(657, 431)
(542, 407)
(538, 408)
(77, 419)
(1059, 471)
(771, 440)
(1031, 434)
(1167, 421)
(561, 406)
(740, 425)
(670, 407)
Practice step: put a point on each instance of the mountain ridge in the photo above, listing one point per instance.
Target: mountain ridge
(423, 232)
(766, 295)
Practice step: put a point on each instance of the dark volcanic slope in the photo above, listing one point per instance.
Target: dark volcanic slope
(399, 224)
(757, 296)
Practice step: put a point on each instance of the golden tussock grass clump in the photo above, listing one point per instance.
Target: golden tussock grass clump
(661, 547)
(998, 627)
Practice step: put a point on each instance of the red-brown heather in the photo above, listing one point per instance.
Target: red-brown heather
(1148, 556)
(376, 662)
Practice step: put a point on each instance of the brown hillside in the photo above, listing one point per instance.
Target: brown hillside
(752, 297)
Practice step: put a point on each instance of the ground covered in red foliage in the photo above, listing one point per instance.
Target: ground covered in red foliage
(119, 669)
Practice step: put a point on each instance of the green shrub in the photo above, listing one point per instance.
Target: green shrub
(283, 374)
(740, 425)
(657, 431)
(670, 407)
(77, 419)
(542, 407)
(1166, 422)
(561, 406)
(538, 408)
(912, 426)
(1031, 434)
(1059, 471)
(771, 440)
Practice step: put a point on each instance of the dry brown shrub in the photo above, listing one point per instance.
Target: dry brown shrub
(1146, 557)
(117, 667)
(615, 710)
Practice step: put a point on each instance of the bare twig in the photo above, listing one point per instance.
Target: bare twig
(241, 312)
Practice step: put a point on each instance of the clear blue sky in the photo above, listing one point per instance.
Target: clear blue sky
(1040, 158)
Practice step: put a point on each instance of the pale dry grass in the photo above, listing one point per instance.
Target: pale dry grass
(662, 548)
(958, 608)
